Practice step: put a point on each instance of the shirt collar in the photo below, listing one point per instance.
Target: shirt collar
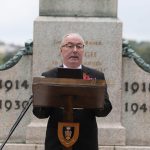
(64, 66)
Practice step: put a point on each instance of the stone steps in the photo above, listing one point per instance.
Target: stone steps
(13, 146)
(19, 146)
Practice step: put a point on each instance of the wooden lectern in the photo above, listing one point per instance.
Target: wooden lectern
(69, 94)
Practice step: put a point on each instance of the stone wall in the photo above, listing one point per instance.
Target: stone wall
(15, 90)
(135, 104)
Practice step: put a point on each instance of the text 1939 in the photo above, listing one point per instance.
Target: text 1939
(9, 105)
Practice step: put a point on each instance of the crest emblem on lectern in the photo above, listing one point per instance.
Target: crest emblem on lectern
(68, 133)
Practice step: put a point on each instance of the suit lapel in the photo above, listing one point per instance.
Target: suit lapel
(87, 73)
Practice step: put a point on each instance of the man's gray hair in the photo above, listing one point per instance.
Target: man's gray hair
(77, 34)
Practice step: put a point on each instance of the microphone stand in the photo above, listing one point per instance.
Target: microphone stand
(17, 121)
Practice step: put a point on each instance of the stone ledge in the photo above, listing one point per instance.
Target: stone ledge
(101, 8)
(52, 19)
(10, 146)
(132, 148)
(111, 134)
(115, 134)
(106, 147)
(36, 133)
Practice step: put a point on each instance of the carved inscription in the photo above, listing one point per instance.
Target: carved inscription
(87, 42)
(135, 107)
(90, 54)
(134, 88)
(93, 42)
(15, 105)
(92, 63)
(9, 85)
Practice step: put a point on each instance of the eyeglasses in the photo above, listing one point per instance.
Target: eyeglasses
(71, 46)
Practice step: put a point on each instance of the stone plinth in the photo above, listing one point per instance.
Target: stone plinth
(36, 131)
(132, 148)
(15, 90)
(99, 8)
(23, 146)
(103, 52)
(111, 134)
(41, 147)
(136, 103)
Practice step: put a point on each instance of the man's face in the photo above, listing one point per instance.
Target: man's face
(72, 51)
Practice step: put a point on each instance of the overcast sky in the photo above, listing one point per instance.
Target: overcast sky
(17, 16)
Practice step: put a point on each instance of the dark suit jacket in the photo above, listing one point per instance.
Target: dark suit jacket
(88, 135)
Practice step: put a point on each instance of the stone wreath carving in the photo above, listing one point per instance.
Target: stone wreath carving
(129, 52)
(27, 50)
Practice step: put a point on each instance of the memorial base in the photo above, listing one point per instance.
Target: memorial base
(109, 134)
(36, 132)
(41, 147)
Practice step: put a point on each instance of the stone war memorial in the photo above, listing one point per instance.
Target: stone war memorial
(127, 127)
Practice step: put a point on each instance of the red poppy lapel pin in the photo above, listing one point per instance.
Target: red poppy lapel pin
(86, 77)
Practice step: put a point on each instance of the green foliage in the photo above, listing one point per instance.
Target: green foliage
(142, 48)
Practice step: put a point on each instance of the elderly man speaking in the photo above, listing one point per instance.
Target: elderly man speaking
(72, 51)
